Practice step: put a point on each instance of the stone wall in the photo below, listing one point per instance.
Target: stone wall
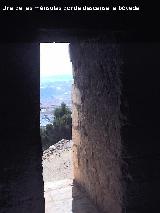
(96, 124)
(21, 182)
(140, 132)
(115, 124)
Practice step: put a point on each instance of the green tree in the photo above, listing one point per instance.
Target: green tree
(62, 116)
(60, 129)
(63, 122)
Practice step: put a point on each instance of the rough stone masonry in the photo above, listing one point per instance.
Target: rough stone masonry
(96, 125)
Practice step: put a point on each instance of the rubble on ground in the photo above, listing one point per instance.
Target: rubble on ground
(58, 148)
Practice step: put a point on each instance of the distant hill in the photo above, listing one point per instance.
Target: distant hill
(53, 91)
(50, 79)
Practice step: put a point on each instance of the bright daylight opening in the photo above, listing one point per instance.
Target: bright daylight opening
(55, 116)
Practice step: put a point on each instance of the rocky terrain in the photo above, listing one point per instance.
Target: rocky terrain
(57, 161)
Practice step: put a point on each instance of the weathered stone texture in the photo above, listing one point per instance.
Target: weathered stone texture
(96, 126)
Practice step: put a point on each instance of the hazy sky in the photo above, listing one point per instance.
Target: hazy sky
(54, 59)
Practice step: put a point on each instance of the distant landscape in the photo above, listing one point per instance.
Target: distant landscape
(53, 91)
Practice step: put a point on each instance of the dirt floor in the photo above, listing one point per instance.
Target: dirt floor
(57, 166)
(61, 194)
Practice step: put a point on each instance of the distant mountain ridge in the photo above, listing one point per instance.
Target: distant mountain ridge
(50, 79)
(53, 91)
(56, 89)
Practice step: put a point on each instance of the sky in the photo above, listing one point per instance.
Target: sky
(54, 59)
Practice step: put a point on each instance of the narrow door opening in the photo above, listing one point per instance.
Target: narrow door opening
(61, 192)
(56, 115)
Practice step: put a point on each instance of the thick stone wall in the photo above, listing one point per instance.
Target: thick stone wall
(21, 182)
(116, 124)
(96, 124)
(140, 132)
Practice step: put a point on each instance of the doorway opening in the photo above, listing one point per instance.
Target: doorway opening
(61, 192)
(55, 116)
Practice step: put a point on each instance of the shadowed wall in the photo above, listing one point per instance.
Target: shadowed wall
(21, 183)
(140, 131)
